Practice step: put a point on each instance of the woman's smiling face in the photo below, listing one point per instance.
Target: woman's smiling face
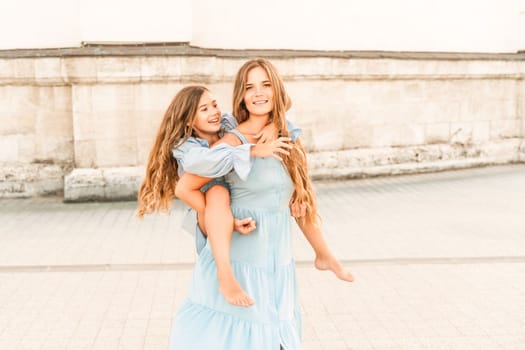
(258, 94)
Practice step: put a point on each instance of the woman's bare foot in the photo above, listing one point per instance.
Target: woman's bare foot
(331, 263)
(232, 291)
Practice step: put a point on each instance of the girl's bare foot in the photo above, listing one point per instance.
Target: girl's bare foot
(232, 291)
(332, 264)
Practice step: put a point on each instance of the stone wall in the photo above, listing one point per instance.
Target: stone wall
(90, 116)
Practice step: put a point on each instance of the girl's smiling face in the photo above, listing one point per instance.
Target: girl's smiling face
(207, 121)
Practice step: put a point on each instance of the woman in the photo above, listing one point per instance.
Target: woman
(262, 261)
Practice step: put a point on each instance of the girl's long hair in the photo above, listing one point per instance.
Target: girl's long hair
(296, 162)
(158, 188)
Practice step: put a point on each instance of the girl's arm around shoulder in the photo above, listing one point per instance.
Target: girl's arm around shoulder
(196, 158)
(228, 139)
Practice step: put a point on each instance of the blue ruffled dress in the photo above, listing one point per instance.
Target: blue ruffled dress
(263, 264)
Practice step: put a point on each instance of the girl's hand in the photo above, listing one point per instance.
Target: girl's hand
(298, 210)
(272, 148)
(267, 134)
(244, 226)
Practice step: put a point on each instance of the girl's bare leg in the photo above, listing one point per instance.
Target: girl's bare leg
(219, 224)
(324, 259)
(188, 190)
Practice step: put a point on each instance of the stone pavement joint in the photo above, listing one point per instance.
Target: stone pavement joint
(298, 263)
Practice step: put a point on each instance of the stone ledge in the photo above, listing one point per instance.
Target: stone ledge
(184, 49)
(28, 180)
(102, 184)
(358, 163)
(123, 183)
(38, 71)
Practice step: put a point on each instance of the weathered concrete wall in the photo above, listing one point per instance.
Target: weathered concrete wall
(361, 114)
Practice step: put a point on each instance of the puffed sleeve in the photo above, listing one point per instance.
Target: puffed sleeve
(293, 129)
(196, 158)
(228, 121)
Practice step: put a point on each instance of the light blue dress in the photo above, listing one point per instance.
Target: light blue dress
(262, 263)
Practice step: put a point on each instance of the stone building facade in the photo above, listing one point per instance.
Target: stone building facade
(81, 121)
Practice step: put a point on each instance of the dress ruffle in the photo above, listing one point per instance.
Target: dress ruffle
(268, 324)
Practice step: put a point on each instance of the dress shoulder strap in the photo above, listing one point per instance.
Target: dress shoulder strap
(239, 135)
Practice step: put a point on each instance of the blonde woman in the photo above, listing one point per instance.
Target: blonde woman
(262, 261)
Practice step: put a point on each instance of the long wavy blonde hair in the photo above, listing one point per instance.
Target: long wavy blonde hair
(158, 188)
(296, 162)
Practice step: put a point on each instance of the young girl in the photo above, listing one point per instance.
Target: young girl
(191, 123)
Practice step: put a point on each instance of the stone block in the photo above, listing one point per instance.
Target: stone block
(9, 148)
(26, 148)
(358, 135)
(85, 153)
(18, 107)
(81, 98)
(437, 133)
(150, 97)
(122, 183)
(112, 98)
(84, 185)
(26, 180)
(103, 184)
(347, 67)
(116, 152)
(439, 111)
(461, 133)
(398, 135)
(222, 91)
(9, 118)
(231, 66)
(118, 69)
(24, 70)
(507, 150)
(85, 126)
(160, 68)
(480, 131)
(48, 70)
(201, 69)
(312, 67)
(507, 128)
(7, 70)
(79, 70)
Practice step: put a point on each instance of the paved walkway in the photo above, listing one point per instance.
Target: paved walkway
(439, 261)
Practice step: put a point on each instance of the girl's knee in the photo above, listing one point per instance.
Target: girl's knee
(217, 193)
